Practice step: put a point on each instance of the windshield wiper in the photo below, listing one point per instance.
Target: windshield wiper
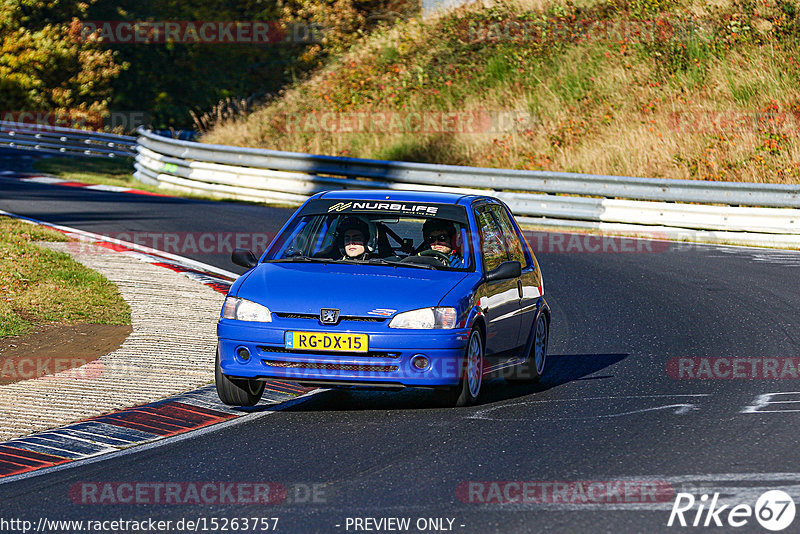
(380, 261)
(300, 258)
(372, 261)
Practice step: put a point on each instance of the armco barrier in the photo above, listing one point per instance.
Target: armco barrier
(66, 141)
(268, 175)
(667, 190)
(712, 211)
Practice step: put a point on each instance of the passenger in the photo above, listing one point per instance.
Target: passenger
(439, 236)
(353, 238)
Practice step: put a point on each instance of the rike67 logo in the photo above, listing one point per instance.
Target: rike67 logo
(774, 510)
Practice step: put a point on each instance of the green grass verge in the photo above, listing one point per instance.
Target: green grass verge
(39, 285)
(118, 172)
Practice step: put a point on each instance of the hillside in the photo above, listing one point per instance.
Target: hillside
(664, 88)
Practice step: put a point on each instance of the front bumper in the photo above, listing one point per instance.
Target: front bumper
(387, 364)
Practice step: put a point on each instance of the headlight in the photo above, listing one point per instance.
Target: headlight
(245, 310)
(425, 318)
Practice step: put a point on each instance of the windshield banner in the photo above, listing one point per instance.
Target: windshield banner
(386, 208)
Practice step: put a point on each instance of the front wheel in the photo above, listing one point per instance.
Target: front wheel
(237, 392)
(469, 388)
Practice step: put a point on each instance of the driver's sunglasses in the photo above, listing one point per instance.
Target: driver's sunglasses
(441, 238)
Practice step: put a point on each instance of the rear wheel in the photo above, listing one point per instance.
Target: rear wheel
(534, 366)
(469, 387)
(237, 392)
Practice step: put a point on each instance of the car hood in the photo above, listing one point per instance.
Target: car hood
(353, 289)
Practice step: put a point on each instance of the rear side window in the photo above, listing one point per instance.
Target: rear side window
(493, 248)
(515, 250)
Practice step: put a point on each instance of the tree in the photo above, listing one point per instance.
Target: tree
(48, 65)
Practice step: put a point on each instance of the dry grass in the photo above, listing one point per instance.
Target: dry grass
(722, 105)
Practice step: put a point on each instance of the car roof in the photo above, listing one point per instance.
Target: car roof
(400, 196)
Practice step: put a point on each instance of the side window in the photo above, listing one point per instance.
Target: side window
(306, 238)
(515, 250)
(324, 235)
(493, 248)
(294, 243)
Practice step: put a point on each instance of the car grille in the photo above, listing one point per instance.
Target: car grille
(331, 366)
(370, 354)
(315, 317)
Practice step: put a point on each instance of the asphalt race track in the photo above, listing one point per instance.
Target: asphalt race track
(612, 407)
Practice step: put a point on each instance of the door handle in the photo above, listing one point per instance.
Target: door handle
(519, 287)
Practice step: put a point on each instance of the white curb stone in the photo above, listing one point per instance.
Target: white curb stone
(171, 349)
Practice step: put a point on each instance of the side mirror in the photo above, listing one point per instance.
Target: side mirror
(244, 257)
(504, 271)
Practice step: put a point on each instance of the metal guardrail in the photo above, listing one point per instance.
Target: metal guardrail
(547, 198)
(66, 141)
(659, 189)
(257, 174)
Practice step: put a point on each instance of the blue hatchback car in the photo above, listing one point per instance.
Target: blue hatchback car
(386, 289)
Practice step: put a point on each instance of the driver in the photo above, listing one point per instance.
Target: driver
(353, 235)
(439, 236)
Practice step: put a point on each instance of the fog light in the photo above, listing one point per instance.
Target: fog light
(420, 362)
(243, 354)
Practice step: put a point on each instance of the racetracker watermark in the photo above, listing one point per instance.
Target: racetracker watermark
(555, 242)
(726, 368)
(16, 368)
(78, 119)
(731, 122)
(413, 122)
(564, 492)
(544, 30)
(68, 368)
(312, 370)
(541, 242)
(196, 492)
(197, 243)
(206, 32)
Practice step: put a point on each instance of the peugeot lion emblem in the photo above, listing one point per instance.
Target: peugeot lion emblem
(328, 316)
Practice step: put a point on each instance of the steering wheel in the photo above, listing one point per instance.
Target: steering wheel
(440, 256)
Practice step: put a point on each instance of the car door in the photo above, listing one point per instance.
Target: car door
(530, 281)
(498, 299)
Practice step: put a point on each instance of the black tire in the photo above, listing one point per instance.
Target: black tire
(237, 392)
(468, 390)
(534, 367)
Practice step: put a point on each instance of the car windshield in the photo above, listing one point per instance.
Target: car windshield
(380, 236)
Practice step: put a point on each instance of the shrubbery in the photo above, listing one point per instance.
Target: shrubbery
(664, 88)
(48, 65)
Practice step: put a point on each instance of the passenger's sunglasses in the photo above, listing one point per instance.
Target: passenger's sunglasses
(441, 238)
